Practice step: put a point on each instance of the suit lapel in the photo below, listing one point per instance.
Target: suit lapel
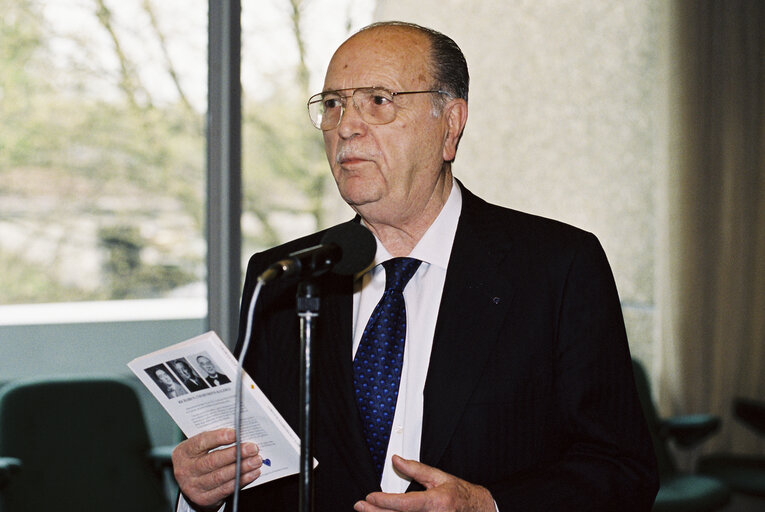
(476, 298)
(334, 382)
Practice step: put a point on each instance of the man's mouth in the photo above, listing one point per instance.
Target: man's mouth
(352, 160)
(345, 158)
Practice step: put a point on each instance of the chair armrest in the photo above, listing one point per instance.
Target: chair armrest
(9, 466)
(751, 413)
(689, 430)
(161, 456)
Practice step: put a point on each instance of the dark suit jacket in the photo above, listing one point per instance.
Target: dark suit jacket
(194, 385)
(529, 389)
(220, 378)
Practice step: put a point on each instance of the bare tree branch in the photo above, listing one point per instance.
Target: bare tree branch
(129, 81)
(302, 71)
(149, 8)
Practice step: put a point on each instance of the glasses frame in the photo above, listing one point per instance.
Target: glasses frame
(317, 98)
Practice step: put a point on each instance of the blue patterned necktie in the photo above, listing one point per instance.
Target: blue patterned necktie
(379, 358)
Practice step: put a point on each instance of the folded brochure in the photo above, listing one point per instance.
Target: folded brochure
(194, 382)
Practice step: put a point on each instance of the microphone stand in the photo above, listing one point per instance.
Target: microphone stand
(308, 312)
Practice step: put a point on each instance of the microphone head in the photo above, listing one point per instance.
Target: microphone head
(357, 246)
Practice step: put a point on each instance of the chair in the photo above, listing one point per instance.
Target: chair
(744, 474)
(82, 446)
(678, 491)
(9, 466)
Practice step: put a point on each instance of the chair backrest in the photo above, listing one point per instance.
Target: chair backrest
(83, 445)
(664, 459)
(751, 413)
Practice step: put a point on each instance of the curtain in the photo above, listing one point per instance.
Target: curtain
(711, 258)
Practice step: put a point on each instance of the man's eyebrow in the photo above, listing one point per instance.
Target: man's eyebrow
(326, 91)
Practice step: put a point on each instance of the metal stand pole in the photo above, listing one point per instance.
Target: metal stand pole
(308, 311)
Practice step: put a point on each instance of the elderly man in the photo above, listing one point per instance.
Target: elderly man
(214, 377)
(509, 374)
(188, 376)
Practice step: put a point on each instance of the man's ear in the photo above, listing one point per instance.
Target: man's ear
(455, 114)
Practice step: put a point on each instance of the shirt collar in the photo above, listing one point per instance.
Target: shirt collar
(435, 246)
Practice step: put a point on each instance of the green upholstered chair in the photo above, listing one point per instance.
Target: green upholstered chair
(9, 466)
(679, 492)
(744, 473)
(82, 445)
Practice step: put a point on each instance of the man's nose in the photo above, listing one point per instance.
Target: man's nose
(351, 123)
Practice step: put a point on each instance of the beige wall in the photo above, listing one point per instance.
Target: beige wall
(562, 121)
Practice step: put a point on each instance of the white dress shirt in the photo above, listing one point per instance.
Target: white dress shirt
(422, 296)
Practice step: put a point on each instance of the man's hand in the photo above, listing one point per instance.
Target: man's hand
(207, 477)
(444, 492)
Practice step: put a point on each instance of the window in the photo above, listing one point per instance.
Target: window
(288, 190)
(102, 150)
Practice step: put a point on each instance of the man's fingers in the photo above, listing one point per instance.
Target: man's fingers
(426, 475)
(444, 492)
(224, 477)
(206, 441)
(217, 495)
(205, 472)
(383, 501)
(212, 488)
(199, 448)
(219, 458)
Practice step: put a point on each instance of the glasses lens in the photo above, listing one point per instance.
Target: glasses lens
(325, 110)
(376, 105)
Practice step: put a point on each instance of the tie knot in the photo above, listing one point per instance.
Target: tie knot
(398, 272)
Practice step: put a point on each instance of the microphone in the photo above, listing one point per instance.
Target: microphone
(345, 249)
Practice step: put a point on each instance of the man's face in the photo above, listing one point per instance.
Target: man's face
(206, 365)
(182, 370)
(388, 173)
(164, 377)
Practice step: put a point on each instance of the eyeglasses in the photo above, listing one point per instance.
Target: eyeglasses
(375, 105)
